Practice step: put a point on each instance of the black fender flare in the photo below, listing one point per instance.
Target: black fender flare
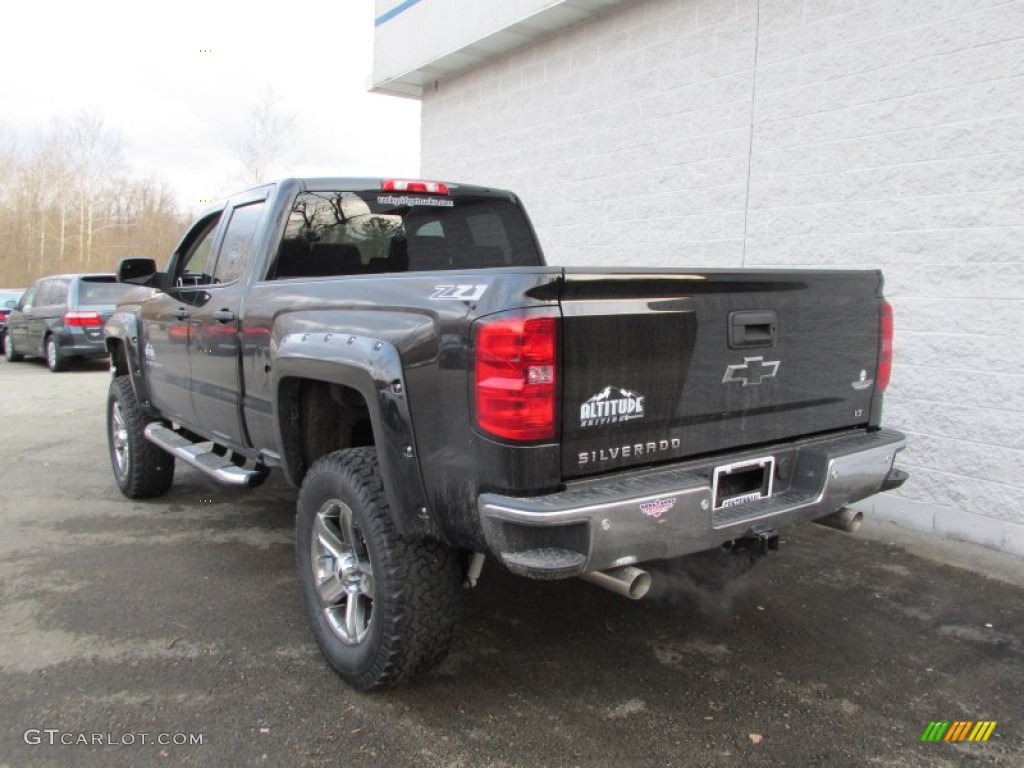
(373, 368)
(122, 330)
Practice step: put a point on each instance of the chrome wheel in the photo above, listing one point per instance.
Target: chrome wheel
(381, 606)
(119, 439)
(51, 353)
(342, 572)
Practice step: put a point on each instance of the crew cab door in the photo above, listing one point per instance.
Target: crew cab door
(47, 311)
(166, 320)
(216, 345)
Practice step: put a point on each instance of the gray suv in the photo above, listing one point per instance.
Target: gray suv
(60, 318)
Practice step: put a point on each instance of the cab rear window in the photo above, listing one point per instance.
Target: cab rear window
(354, 233)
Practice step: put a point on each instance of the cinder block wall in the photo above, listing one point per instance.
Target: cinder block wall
(796, 133)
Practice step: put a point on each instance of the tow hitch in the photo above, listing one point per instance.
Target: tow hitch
(760, 543)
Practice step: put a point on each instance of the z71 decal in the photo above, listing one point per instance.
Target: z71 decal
(458, 292)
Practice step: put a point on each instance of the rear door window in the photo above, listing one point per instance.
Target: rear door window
(60, 292)
(52, 292)
(236, 250)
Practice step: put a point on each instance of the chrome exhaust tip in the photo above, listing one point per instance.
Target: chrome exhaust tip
(846, 519)
(626, 581)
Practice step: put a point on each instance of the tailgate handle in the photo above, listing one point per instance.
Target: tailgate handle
(752, 329)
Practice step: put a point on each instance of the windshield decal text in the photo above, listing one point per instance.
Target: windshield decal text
(438, 202)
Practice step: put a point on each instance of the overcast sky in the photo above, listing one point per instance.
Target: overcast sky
(181, 111)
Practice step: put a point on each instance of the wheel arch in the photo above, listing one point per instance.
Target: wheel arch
(122, 340)
(341, 391)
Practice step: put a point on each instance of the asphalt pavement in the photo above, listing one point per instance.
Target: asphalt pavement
(170, 632)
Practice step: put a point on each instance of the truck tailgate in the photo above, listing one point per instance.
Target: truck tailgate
(662, 365)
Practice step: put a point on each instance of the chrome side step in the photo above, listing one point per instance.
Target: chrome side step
(219, 468)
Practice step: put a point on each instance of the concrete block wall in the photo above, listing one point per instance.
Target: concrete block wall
(796, 133)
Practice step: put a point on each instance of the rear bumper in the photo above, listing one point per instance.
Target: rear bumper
(635, 516)
(79, 342)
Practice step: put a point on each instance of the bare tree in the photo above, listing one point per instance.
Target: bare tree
(69, 203)
(269, 135)
(94, 154)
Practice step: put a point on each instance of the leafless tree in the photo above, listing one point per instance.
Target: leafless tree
(68, 202)
(268, 136)
(94, 155)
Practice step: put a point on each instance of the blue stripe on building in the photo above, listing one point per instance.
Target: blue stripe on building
(389, 15)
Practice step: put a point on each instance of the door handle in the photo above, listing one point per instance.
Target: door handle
(223, 315)
(180, 314)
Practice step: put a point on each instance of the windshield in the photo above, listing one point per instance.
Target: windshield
(97, 292)
(351, 233)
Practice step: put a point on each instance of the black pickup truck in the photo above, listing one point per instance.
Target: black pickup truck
(400, 350)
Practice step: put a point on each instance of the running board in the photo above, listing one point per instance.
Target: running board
(219, 468)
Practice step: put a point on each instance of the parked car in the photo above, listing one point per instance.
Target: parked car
(8, 301)
(60, 318)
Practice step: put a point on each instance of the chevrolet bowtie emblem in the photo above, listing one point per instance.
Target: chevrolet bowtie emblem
(751, 372)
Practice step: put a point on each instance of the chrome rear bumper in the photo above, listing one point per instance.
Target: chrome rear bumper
(635, 516)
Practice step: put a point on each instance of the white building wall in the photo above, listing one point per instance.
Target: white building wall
(796, 133)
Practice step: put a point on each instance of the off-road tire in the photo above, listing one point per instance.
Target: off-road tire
(145, 470)
(416, 583)
(54, 361)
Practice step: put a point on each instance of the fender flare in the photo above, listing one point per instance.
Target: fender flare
(373, 368)
(122, 330)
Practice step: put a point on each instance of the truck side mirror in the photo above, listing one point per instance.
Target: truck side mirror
(136, 270)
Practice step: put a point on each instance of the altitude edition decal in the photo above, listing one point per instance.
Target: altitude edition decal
(611, 405)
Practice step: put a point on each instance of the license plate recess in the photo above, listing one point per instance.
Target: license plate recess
(743, 482)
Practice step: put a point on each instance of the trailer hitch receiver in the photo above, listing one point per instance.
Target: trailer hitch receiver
(761, 542)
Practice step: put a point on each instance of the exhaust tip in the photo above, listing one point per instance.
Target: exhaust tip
(846, 519)
(640, 586)
(626, 581)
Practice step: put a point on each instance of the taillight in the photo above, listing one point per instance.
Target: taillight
(885, 349)
(516, 375)
(414, 185)
(83, 319)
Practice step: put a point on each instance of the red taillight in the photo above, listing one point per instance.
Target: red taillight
(885, 349)
(411, 185)
(516, 376)
(83, 319)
